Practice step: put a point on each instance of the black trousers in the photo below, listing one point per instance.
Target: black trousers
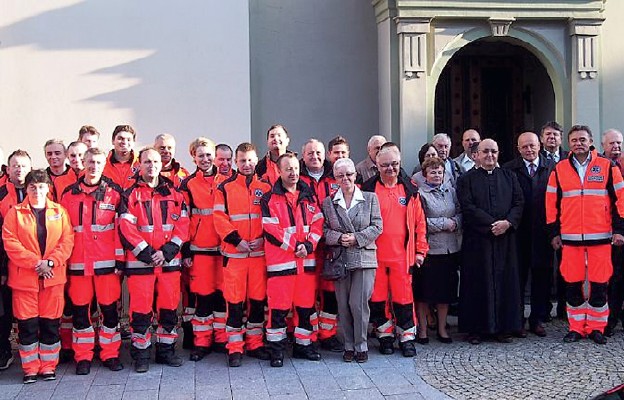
(6, 320)
(616, 287)
(541, 284)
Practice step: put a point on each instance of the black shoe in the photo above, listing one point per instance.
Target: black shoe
(187, 338)
(219, 347)
(386, 346)
(49, 376)
(235, 359)
(504, 338)
(538, 330)
(572, 337)
(65, 356)
(6, 358)
(83, 367)
(170, 360)
(521, 334)
(306, 352)
(361, 356)
(125, 333)
(422, 340)
(473, 339)
(141, 365)
(608, 331)
(29, 379)
(443, 339)
(277, 358)
(114, 364)
(408, 349)
(260, 353)
(332, 344)
(199, 352)
(597, 337)
(348, 355)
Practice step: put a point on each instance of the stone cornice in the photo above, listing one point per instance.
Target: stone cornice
(571, 9)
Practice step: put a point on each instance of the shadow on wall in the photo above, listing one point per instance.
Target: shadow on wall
(187, 64)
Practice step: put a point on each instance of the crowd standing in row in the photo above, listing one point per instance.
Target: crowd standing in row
(229, 244)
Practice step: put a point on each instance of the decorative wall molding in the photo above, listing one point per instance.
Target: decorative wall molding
(500, 26)
(413, 40)
(585, 33)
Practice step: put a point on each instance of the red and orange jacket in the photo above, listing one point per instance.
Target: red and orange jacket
(152, 219)
(585, 213)
(176, 174)
(19, 233)
(64, 181)
(286, 227)
(93, 214)
(4, 175)
(9, 198)
(198, 190)
(267, 169)
(324, 187)
(237, 213)
(123, 174)
(416, 240)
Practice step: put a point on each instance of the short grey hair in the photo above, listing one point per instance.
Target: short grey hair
(611, 130)
(441, 136)
(374, 138)
(344, 162)
(311, 140)
(164, 136)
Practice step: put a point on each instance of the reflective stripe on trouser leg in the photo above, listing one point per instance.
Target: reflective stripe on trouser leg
(253, 335)
(236, 342)
(597, 318)
(202, 330)
(327, 325)
(110, 342)
(314, 321)
(187, 314)
(405, 321)
(386, 330)
(219, 312)
(83, 341)
(29, 354)
(49, 356)
(576, 317)
(166, 337)
(66, 331)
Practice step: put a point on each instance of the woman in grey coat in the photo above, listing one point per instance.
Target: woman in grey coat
(361, 225)
(435, 283)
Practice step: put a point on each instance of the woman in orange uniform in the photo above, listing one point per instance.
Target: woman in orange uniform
(38, 239)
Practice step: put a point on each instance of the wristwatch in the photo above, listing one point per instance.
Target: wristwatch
(50, 263)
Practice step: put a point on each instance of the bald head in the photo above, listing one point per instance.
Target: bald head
(488, 154)
(469, 137)
(528, 146)
(612, 143)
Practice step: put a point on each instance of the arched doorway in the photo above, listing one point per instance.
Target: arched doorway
(496, 86)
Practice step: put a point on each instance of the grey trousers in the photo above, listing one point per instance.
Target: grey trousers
(353, 294)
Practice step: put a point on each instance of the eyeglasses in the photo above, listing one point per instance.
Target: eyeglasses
(346, 174)
(393, 164)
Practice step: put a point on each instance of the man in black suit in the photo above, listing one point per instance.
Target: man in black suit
(535, 253)
(551, 136)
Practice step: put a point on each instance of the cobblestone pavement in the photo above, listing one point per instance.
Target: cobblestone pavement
(532, 368)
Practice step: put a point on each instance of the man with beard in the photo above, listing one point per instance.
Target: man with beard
(491, 201)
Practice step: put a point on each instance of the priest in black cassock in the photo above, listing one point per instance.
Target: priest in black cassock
(489, 295)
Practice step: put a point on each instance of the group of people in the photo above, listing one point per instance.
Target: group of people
(229, 243)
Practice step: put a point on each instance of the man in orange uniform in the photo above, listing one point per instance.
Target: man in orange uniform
(398, 250)
(75, 155)
(293, 225)
(223, 159)
(89, 136)
(122, 165)
(153, 225)
(277, 142)
(317, 172)
(92, 203)
(202, 258)
(38, 239)
(172, 170)
(56, 155)
(11, 193)
(238, 221)
(584, 209)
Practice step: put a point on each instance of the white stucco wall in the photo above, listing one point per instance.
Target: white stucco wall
(314, 69)
(161, 66)
(611, 74)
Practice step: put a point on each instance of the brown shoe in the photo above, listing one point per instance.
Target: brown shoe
(348, 355)
(538, 330)
(361, 356)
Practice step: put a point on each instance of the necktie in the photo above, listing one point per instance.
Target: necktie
(550, 156)
(532, 170)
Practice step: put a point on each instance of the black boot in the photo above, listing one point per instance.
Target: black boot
(165, 354)
(141, 359)
(187, 338)
(386, 345)
(306, 352)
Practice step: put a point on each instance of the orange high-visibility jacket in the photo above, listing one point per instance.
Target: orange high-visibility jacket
(267, 169)
(8, 198)
(176, 174)
(62, 182)
(198, 190)
(123, 174)
(19, 233)
(286, 227)
(93, 214)
(152, 219)
(588, 213)
(324, 187)
(237, 213)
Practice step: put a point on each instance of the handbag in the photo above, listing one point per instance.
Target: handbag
(334, 266)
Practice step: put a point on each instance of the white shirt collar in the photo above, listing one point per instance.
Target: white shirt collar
(357, 198)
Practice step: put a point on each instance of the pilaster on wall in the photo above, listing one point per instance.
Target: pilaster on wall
(585, 67)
